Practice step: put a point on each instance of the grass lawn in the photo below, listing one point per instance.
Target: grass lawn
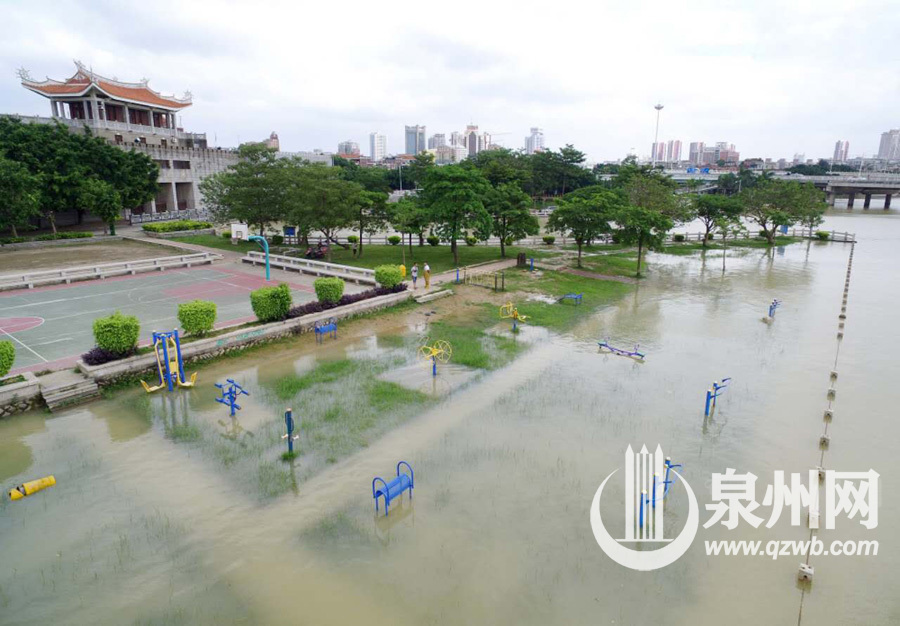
(438, 257)
(561, 315)
(472, 346)
(220, 243)
(615, 264)
(752, 242)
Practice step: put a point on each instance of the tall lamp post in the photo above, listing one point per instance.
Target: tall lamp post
(658, 107)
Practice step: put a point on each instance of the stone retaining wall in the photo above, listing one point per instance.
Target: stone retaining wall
(20, 397)
(239, 339)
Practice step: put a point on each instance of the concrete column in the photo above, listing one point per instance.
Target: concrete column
(196, 189)
(829, 198)
(867, 201)
(153, 206)
(887, 201)
(174, 197)
(127, 118)
(850, 200)
(54, 108)
(150, 114)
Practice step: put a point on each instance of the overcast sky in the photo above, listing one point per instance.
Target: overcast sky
(774, 78)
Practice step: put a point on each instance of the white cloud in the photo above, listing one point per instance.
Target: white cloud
(772, 77)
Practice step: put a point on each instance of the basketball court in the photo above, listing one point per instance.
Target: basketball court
(52, 326)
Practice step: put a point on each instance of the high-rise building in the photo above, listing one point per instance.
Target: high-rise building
(472, 140)
(889, 148)
(457, 138)
(695, 152)
(841, 151)
(658, 152)
(377, 146)
(272, 142)
(348, 147)
(415, 139)
(437, 140)
(673, 151)
(535, 141)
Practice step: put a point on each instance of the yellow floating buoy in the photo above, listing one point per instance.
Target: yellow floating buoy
(33, 486)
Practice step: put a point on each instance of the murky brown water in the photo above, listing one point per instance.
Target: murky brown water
(145, 528)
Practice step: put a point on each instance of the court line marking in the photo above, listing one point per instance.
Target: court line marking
(24, 346)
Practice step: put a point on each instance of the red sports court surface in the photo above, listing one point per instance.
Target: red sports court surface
(51, 326)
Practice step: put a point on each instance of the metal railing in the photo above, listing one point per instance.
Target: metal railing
(309, 266)
(29, 280)
(143, 218)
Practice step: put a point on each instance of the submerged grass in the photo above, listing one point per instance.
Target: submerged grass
(615, 264)
(326, 372)
(561, 315)
(472, 345)
(752, 242)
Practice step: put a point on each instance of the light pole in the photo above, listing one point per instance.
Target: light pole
(658, 107)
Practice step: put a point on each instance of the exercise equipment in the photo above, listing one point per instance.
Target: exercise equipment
(324, 328)
(575, 297)
(170, 366)
(509, 311)
(289, 435)
(714, 392)
(394, 489)
(230, 394)
(439, 351)
(666, 483)
(32, 486)
(773, 307)
(633, 354)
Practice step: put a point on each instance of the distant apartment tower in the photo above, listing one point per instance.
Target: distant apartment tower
(841, 151)
(695, 152)
(535, 141)
(673, 151)
(437, 140)
(377, 146)
(658, 152)
(348, 147)
(889, 148)
(473, 141)
(415, 139)
(457, 138)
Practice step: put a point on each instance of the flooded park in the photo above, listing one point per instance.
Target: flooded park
(169, 511)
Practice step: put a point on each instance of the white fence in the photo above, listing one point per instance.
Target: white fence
(358, 275)
(30, 280)
(143, 218)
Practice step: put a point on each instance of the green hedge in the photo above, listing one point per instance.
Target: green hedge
(117, 333)
(169, 227)
(197, 317)
(352, 239)
(549, 239)
(394, 240)
(471, 241)
(433, 240)
(7, 356)
(271, 304)
(677, 237)
(388, 275)
(822, 235)
(329, 289)
(47, 237)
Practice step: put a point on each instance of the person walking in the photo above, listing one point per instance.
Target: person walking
(414, 272)
(427, 275)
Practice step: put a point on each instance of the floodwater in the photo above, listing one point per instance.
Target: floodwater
(148, 526)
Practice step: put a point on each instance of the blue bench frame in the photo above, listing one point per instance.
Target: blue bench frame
(572, 296)
(395, 488)
(323, 328)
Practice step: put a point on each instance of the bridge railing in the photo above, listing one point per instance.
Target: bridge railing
(803, 233)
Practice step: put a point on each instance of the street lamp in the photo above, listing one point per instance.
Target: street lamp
(658, 107)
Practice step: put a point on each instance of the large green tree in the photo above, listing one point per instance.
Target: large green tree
(323, 200)
(371, 214)
(19, 192)
(101, 199)
(510, 210)
(644, 226)
(710, 209)
(774, 203)
(410, 217)
(254, 190)
(454, 196)
(585, 217)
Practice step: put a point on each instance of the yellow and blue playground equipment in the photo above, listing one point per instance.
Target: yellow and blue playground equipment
(440, 350)
(509, 311)
(32, 486)
(169, 365)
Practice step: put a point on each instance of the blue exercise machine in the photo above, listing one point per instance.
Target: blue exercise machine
(773, 307)
(289, 427)
(718, 388)
(323, 328)
(634, 354)
(395, 488)
(230, 394)
(667, 482)
(575, 297)
(169, 365)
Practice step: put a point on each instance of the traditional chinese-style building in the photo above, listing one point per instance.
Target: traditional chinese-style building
(135, 117)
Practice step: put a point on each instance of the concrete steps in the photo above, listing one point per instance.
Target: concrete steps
(67, 388)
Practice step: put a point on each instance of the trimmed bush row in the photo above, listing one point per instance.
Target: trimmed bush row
(197, 317)
(117, 333)
(394, 240)
(46, 237)
(169, 227)
(318, 307)
(271, 304)
(7, 356)
(329, 289)
(388, 275)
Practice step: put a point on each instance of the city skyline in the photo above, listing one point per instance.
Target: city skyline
(244, 90)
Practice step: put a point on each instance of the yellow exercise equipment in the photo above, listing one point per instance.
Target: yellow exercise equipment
(440, 351)
(509, 311)
(169, 366)
(32, 486)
